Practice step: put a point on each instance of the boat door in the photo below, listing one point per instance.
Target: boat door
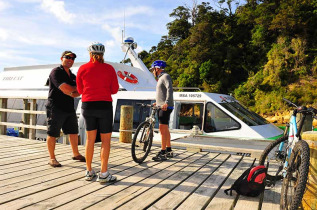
(187, 114)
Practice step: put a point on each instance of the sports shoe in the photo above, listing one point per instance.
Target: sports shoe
(160, 157)
(107, 178)
(169, 154)
(90, 175)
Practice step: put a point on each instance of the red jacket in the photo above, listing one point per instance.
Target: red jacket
(96, 81)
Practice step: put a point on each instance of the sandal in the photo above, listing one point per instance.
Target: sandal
(80, 158)
(54, 163)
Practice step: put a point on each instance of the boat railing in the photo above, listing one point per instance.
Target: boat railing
(27, 126)
(28, 123)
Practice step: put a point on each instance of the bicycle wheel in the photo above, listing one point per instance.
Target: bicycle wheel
(142, 142)
(271, 154)
(294, 184)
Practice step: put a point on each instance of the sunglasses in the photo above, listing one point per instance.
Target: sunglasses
(69, 57)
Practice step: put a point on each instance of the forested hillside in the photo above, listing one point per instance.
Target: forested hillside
(261, 52)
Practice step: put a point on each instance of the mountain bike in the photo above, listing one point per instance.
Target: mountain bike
(143, 136)
(292, 155)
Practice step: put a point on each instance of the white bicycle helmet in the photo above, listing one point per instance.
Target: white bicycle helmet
(96, 47)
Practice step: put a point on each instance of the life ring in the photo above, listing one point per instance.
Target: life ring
(128, 77)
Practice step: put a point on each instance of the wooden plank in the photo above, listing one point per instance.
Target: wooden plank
(60, 177)
(31, 179)
(143, 181)
(187, 181)
(3, 115)
(167, 185)
(22, 111)
(185, 189)
(254, 152)
(37, 127)
(223, 201)
(201, 197)
(272, 195)
(66, 194)
(24, 97)
(41, 163)
(32, 119)
(83, 195)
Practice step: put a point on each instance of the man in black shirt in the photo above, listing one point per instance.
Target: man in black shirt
(60, 107)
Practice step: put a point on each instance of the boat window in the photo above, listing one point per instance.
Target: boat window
(217, 120)
(248, 117)
(139, 113)
(188, 115)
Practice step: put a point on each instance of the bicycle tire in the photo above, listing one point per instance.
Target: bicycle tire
(293, 187)
(270, 150)
(142, 142)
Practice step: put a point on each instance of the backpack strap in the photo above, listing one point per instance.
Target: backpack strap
(230, 189)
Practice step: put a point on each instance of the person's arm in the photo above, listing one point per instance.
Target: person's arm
(169, 89)
(56, 79)
(115, 83)
(69, 90)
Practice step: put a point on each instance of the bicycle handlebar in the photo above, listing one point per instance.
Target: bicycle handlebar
(303, 109)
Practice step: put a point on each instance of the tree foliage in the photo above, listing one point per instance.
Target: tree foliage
(262, 51)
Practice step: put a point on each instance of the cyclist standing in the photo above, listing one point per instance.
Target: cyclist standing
(164, 99)
(97, 81)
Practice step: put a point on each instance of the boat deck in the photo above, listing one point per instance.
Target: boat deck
(187, 181)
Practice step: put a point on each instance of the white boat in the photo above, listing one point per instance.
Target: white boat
(195, 112)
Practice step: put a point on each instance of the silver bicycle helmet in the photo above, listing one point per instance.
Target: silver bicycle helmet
(96, 47)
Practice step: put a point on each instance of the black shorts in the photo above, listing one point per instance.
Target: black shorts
(58, 119)
(98, 119)
(164, 116)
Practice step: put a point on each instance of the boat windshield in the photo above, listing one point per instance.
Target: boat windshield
(248, 117)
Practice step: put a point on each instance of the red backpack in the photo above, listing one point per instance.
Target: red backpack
(251, 182)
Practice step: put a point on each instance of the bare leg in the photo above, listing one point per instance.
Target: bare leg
(90, 143)
(105, 151)
(165, 136)
(73, 138)
(51, 142)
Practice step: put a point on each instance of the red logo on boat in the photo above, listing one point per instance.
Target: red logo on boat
(128, 77)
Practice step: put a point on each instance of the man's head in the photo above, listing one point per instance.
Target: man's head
(68, 58)
(157, 67)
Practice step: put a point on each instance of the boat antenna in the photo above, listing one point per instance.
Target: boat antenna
(123, 31)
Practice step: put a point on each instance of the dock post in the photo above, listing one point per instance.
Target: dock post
(126, 124)
(32, 119)
(3, 115)
(26, 118)
(310, 197)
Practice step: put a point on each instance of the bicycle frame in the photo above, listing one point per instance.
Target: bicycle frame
(293, 137)
(151, 118)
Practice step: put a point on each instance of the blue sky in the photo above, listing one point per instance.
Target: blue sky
(35, 32)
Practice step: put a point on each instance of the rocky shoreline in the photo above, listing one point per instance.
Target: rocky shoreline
(282, 118)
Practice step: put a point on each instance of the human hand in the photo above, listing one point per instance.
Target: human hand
(164, 107)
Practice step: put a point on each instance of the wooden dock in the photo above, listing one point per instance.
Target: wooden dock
(187, 181)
